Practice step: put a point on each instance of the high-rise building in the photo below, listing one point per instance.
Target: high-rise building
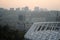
(17, 9)
(11, 9)
(25, 8)
(36, 9)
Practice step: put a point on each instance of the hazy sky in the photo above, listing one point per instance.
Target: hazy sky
(50, 4)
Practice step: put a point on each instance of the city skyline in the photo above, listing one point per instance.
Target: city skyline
(49, 4)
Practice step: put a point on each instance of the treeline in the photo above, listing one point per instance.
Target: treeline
(9, 34)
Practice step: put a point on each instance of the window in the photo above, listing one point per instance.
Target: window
(39, 28)
(43, 28)
(57, 29)
(49, 28)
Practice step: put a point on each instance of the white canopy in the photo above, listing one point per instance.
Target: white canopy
(44, 31)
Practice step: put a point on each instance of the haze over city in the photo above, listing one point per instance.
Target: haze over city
(29, 19)
(49, 4)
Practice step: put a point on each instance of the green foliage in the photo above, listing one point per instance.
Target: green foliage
(8, 34)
